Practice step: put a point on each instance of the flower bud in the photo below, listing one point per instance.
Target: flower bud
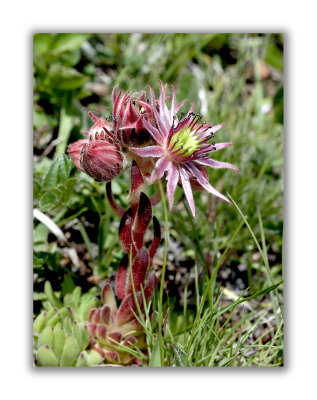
(74, 150)
(101, 160)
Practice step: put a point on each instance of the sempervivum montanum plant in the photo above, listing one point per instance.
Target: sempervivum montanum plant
(116, 329)
(182, 148)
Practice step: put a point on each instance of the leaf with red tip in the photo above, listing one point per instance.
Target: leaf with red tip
(113, 357)
(105, 314)
(92, 343)
(143, 215)
(137, 184)
(130, 341)
(139, 268)
(142, 220)
(128, 305)
(108, 298)
(97, 317)
(100, 351)
(131, 327)
(91, 314)
(114, 337)
(116, 208)
(125, 235)
(92, 329)
(101, 333)
(156, 239)
(121, 277)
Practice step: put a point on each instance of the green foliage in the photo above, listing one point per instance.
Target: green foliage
(53, 189)
(80, 303)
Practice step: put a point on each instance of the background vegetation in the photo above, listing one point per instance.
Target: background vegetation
(232, 78)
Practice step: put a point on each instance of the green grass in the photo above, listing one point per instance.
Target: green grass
(221, 324)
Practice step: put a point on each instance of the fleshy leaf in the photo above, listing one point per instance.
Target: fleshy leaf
(137, 185)
(139, 268)
(125, 312)
(125, 234)
(121, 278)
(142, 219)
(108, 298)
(70, 352)
(45, 357)
(117, 209)
(156, 239)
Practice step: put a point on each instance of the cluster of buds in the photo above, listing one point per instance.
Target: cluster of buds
(114, 328)
(105, 152)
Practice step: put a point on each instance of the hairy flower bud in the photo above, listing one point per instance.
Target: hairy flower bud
(101, 160)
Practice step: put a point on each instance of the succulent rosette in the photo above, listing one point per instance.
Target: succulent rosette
(182, 148)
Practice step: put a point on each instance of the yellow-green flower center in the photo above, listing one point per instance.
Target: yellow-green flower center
(185, 142)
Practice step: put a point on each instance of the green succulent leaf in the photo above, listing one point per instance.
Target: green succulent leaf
(77, 334)
(82, 360)
(52, 296)
(46, 337)
(94, 358)
(39, 322)
(85, 306)
(45, 357)
(70, 352)
(67, 325)
(66, 312)
(58, 341)
(85, 336)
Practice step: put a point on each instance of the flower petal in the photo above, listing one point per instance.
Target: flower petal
(154, 132)
(74, 150)
(220, 146)
(150, 151)
(212, 148)
(162, 165)
(164, 129)
(172, 111)
(204, 183)
(172, 180)
(164, 114)
(179, 105)
(216, 164)
(188, 190)
(217, 127)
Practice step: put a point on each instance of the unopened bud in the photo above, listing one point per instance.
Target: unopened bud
(101, 160)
